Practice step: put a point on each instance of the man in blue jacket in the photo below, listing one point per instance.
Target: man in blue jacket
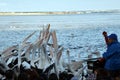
(112, 55)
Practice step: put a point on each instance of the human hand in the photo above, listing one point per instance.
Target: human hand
(104, 33)
(101, 59)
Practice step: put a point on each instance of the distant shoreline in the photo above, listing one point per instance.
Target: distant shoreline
(59, 12)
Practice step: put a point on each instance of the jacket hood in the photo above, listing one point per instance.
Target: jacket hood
(113, 36)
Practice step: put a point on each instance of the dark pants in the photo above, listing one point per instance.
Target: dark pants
(114, 74)
(103, 74)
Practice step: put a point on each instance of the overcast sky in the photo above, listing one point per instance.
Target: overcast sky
(58, 5)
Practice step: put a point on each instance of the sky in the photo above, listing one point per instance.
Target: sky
(57, 5)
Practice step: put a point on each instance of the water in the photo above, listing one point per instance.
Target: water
(83, 20)
(80, 33)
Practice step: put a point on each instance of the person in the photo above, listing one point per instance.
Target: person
(112, 55)
(109, 64)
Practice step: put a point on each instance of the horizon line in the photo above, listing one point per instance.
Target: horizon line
(60, 12)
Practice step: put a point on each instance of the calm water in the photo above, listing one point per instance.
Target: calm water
(76, 32)
(83, 20)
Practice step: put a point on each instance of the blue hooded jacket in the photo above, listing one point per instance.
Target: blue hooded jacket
(112, 56)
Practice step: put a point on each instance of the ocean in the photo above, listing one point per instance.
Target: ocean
(81, 34)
